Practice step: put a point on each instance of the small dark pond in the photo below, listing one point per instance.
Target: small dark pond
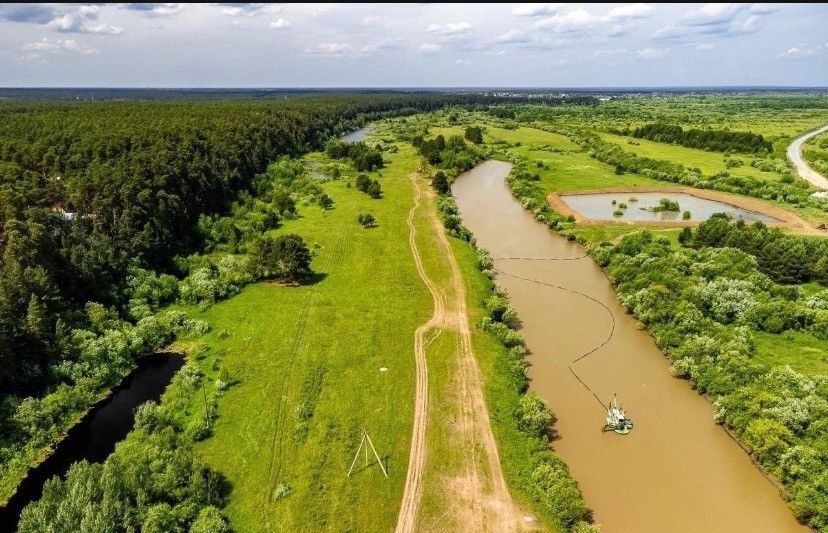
(95, 436)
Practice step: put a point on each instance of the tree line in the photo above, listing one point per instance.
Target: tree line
(784, 258)
(710, 139)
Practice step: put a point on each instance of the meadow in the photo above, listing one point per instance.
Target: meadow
(308, 363)
(311, 365)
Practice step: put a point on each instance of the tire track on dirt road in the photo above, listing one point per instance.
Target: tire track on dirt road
(480, 507)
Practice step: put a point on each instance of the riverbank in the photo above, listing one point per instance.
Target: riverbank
(646, 481)
(794, 153)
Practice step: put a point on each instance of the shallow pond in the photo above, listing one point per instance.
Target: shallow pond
(677, 470)
(358, 135)
(600, 206)
(95, 436)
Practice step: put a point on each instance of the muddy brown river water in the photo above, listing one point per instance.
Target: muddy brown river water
(676, 471)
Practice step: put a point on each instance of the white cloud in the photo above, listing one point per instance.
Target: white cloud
(801, 50)
(47, 44)
(371, 20)
(726, 20)
(573, 21)
(279, 24)
(157, 9)
(249, 10)
(82, 21)
(651, 53)
(513, 36)
(429, 48)
(535, 10)
(331, 49)
(619, 30)
(629, 11)
(451, 28)
(763, 9)
(464, 62)
(670, 33)
(704, 46)
(345, 49)
(714, 14)
(385, 44)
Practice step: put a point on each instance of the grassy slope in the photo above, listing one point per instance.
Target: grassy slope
(502, 398)
(359, 318)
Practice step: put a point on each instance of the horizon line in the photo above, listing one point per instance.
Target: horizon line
(406, 87)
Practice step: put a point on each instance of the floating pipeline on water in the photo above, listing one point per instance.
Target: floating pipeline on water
(581, 294)
(540, 258)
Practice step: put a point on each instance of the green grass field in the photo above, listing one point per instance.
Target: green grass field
(319, 349)
(708, 162)
(802, 351)
(566, 166)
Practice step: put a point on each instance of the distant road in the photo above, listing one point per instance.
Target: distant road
(806, 172)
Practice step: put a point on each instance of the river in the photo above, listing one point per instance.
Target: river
(805, 171)
(95, 436)
(677, 470)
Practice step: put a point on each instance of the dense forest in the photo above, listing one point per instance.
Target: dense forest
(713, 140)
(89, 191)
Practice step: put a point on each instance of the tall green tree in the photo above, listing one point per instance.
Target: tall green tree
(286, 257)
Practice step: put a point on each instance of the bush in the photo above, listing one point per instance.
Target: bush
(440, 183)
(210, 520)
(474, 134)
(534, 416)
(366, 220)
(374, 190)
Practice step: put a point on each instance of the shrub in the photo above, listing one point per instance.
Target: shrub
(209, 520)
(534, 415)
(362, 182)
(374, 190)
(366, 220)
(440, 183)
(474, 134)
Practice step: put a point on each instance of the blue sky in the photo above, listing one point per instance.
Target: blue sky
(360, 45)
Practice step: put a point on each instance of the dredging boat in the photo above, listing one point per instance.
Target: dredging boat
(617, 420)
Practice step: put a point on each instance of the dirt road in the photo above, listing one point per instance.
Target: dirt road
(479, 500)
(806, 172)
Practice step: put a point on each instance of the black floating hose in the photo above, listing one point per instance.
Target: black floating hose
(583, 295)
